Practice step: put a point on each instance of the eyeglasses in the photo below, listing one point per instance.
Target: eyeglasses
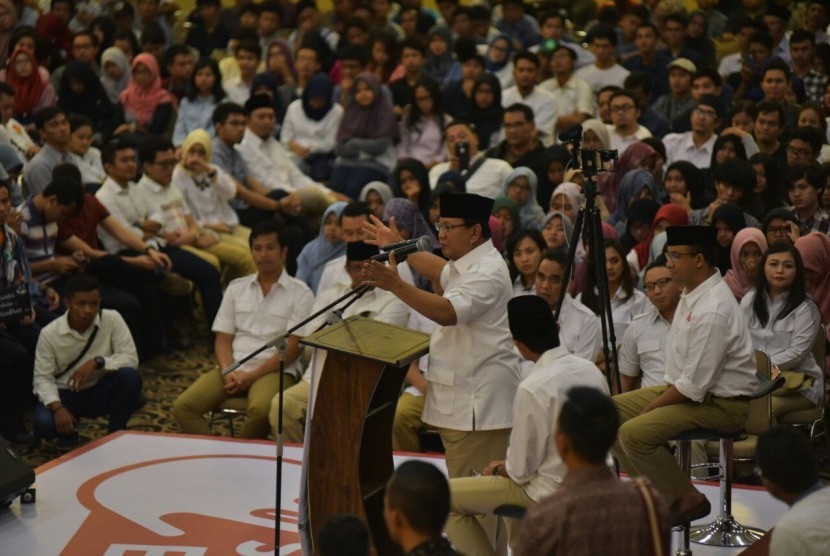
(662, 283)
(675, 256)
(799, 152)
(707, 113)
(622, 109)
(447, 228)
(778, 230)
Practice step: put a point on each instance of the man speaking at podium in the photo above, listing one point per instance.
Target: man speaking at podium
(473, 370)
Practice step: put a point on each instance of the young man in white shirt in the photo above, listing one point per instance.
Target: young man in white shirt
(255, 310)
(710, 372)
(573, 99)
(696, 146)
(533, 466)
(248, 55)
(602, 41)
(625, 115)
(526, 91)
(85, 366)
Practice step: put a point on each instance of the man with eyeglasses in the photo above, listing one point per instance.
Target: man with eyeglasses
(579, 327)
(642, 353)
(473, 369)
(696, 146)
(781, 225)
(710, 372)
(625, 115)
(804, 146)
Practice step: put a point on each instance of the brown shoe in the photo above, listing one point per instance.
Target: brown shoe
(173, 284)
(689, 507)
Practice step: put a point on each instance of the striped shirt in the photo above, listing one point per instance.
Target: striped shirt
(39, 237)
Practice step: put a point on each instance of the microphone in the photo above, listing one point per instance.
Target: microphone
(423, 243)
(571, 134)
(393, 246)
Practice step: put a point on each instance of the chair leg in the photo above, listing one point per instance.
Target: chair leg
(725, 531)
(681, 532)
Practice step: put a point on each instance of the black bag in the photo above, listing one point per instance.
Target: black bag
(15, 475)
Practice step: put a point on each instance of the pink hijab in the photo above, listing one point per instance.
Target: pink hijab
(815, 251)
(143, 102)
(736, 277)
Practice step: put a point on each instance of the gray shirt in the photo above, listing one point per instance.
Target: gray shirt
(38, 172)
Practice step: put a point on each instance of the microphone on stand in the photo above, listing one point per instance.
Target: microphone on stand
(423, 243)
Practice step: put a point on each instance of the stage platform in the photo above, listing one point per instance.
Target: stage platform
(149, 494)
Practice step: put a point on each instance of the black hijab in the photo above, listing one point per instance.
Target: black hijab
(487, 121)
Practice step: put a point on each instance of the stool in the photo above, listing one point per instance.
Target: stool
(230, 409)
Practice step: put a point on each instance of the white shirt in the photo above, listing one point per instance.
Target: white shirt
(598, 78)
(374, 304)
(126, 206)
(788, 341)
(254, 319)
(335, 273)
(90, 165)
(643, 349)
(209, 198)
(804, 530)
(574, 96)
(622, 143)
(519, 289)
(708, 348)
(624, 310)
(236, 90)
(681, 146)
(270, 163)
(487, 181)
(473, 371)
(317, 136)
(532, 458)
(542, 103)
(165, 205)
(729, 64)
(579, 329)
(419, 322)
(59, 345)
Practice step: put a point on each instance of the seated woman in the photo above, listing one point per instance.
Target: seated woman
(365, 139)
(524, 252)
(747, 250)
(520, 186)
(507, 212)
(626, 302)
(411, 225)
(439, 62)
(557, 231)
(422, 126)
(149, 108)
(115, 72)
(32, 91)
(783, 322)
(499, 60)
(83, 155)
(81, 92)
(636, 184)
(310, 126)
(196, 109)
(410, 180)
(327, 246)
(487, 114)
(685, 185)
(375, 194)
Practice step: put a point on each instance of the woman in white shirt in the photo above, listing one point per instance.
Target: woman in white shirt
(422, 126)
(626, 301)
(310, 127)
(783, 322)
(525, 253)
(81, 152)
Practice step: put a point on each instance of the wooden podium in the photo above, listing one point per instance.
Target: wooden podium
(349, 456)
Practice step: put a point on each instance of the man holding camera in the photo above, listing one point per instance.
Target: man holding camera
(484, 176)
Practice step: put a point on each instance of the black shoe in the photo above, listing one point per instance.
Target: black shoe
(21, 438)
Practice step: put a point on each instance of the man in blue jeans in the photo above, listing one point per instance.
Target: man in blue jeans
(85, 366)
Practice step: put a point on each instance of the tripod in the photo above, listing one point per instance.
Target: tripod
(592, 226)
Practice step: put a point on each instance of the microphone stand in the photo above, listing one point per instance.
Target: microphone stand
(280, 342)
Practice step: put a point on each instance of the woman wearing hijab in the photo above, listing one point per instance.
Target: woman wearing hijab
(440, 64)
(506, 210)
(148, 106)
(815, 251)
(555, 162)
(667, 215)
(326, 247)
(748, 249)
(267, 83)
(412, 225)
(728, 220)
(310, 127)
(567, 198)
(557, 230)
(115, 72)
(595, 135)
(410, 180)
(31, 90)
(81, 92)
(487, 112)
(685, 186)
(520, 187)
(499, 60)
(365, 139)
(9, 17)
(638, 156)
(636, 184)
(376, 194)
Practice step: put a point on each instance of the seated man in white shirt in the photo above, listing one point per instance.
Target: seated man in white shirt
(579, 327)
(533, 467)
(573, 99)
(526, 91)
(625, 115)
(85, 366)
(485, 176)
(375, 304)
(696, 146)
(710, 372)
(255, 310)
(790, 473)
(248, 55)
(602, 41)
(643, 349)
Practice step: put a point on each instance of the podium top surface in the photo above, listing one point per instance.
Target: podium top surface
(371, 339)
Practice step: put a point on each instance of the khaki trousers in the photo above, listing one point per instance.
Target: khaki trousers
(408, 423)
(782, 405)
(231, 255)
(295, 401)
(643, 442)
(472, 498)
(208, 392)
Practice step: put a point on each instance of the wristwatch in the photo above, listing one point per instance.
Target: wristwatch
(99, 362)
